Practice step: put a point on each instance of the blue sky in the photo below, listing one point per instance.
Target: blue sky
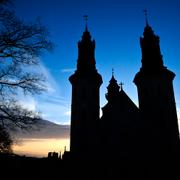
(116, 26)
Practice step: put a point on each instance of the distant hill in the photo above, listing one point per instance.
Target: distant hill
(44, 129)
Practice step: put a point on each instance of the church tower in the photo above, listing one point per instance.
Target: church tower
(86, 82)
(156, 98)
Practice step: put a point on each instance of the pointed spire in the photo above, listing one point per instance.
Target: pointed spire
(113, 80)
(112, 71)
(147, 30)
(86, 22)
(146, 16)
(86, 35)
(86, 52)
(113, 88)
(151, 53)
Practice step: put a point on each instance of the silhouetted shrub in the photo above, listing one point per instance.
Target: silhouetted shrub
(5, 141)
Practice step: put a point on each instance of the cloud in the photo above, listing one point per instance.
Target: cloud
(55, 99)
(51, 83)
(28, 102)
(67, 70)
(68, 113)
(50, 104)
(54, 108)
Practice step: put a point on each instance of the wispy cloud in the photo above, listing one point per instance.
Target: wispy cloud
(68, 113)
(54, 107)
(51, 83)
(67, 70)
(54, 112)
(28, 102)
(51, 104)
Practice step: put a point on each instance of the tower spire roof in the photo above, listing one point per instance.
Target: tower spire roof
(151, 53)
(112, 71)
(148, 31)
(86, 52)
(113, 88)
(86, 34)
(146, 16)
(113, 80)
(86, 22)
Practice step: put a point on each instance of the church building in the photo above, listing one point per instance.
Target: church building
(147, 132)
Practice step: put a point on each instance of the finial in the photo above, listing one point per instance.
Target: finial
(146, 16)
(112, 71)
(86, 21)
(121, 85)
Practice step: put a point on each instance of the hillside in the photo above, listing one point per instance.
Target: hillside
(44, 129)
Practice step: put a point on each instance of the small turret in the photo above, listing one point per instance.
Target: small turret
(113, 89)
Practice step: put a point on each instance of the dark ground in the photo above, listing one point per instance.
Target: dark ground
(20, 167)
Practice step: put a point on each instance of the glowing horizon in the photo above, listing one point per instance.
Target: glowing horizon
(40, 147)
(117, 36)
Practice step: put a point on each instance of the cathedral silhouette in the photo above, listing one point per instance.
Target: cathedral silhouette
(125, 133)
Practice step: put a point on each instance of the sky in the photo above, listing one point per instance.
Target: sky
(116, 26)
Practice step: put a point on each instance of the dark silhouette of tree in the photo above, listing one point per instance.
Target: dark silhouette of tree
(5, 2)
(5, 141)
(13, 116)
(21, 44)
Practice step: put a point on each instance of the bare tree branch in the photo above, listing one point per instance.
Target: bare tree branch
(13, 78)
(11, 113)
(20, 46)
(22, 42)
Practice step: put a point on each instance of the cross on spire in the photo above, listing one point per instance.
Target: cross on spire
(146, 16)
(86, 21)
(112, 71)
(121, 85)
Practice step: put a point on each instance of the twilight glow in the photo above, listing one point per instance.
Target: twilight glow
(116, 26)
